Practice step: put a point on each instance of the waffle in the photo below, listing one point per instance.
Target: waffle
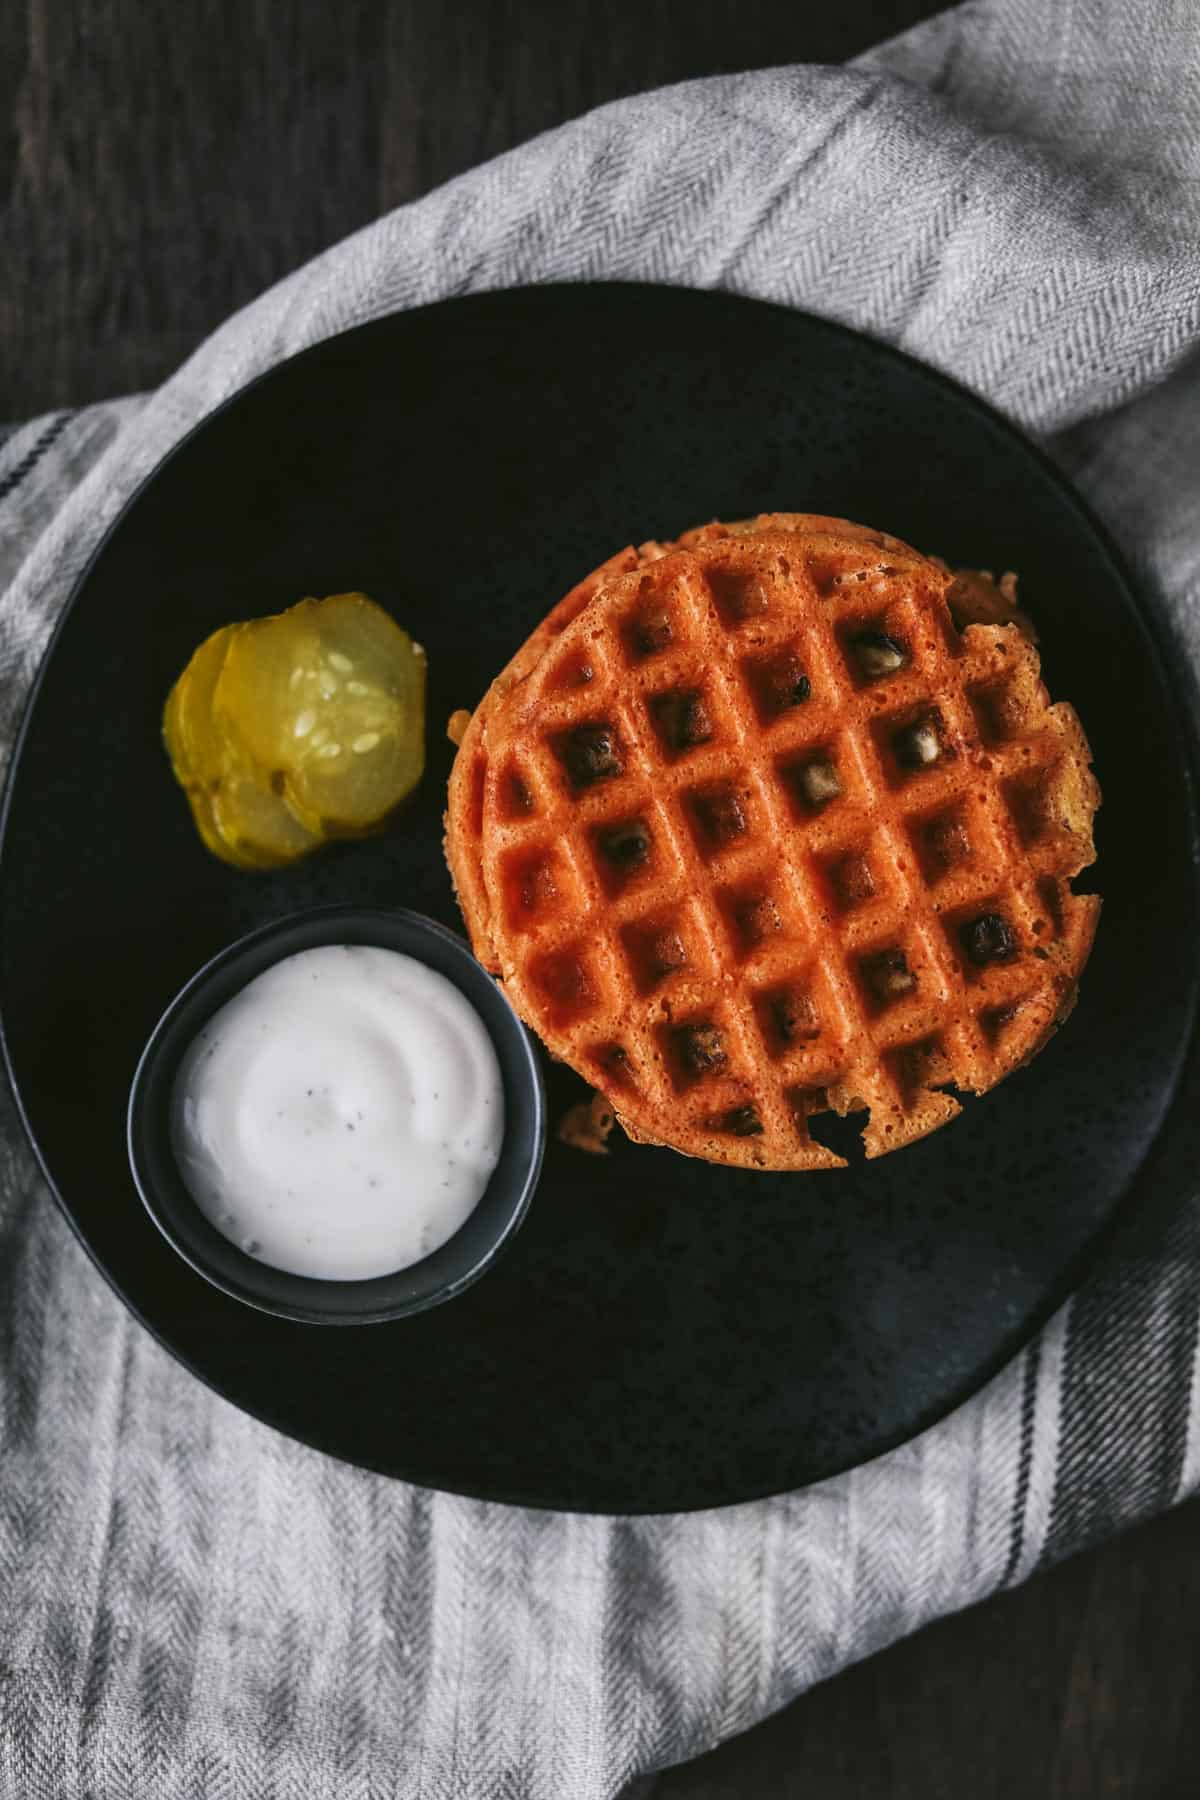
(464, 801)
(464, 809)
(761, 835)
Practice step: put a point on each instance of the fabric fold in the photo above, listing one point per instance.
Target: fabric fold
(192, 1603)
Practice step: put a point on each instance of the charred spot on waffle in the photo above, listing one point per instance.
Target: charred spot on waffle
(988, 939)
(920, 743)
(888, 976)
(591, 753)
(626, 846)
(720, 813)
(742, 1121)
(623, 852)
(877, 653)
(701, 1048)
(781, 684)
(683, 720)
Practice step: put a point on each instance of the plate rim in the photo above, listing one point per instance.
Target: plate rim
(1177, 678)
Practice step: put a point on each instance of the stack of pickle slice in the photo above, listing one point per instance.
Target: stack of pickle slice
(289, 731)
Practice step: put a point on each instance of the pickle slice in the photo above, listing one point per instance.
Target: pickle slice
(289, 730)
(206, 825)
(237, 814)
(187, 722)
(329, 697)
(172, 736)
(255, 822)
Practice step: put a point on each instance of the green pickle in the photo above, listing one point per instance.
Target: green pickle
(288, 731)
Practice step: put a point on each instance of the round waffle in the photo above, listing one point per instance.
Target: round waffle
(762, 834)
(464, 806)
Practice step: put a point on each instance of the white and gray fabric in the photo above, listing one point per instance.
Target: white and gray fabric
(193, 1605)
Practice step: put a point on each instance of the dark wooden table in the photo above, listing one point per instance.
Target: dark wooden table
(161, 162)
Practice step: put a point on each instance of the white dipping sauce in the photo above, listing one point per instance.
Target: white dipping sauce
(341, 1116)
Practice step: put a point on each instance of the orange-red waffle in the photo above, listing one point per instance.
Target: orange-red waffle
(760, 834)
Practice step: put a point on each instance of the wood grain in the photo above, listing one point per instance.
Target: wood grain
(162, 161)
(1079, 1686)
(165, 160)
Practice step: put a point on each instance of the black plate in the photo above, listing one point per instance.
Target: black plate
(663, 1334)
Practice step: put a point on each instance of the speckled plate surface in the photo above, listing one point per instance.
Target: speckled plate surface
(662, 1334)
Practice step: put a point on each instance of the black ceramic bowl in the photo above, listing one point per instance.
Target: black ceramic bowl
(465, 1256)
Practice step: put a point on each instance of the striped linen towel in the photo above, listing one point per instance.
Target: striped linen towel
(194, 1606)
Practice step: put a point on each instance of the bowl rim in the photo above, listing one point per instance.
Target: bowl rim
(519, 1064)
